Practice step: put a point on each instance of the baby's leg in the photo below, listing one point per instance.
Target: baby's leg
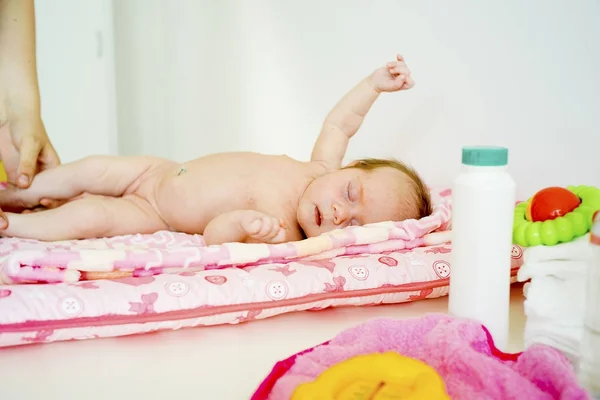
(89, 217)
(102, 175)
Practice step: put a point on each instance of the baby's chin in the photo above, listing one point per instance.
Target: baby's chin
(308, 226)
(311, 229)
(312, 233)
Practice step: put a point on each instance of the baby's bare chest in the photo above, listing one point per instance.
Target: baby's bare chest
(207, 187)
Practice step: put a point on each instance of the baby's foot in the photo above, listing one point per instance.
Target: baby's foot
(11, 198)
(33, 210)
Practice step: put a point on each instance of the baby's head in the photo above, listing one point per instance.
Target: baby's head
(364, 192)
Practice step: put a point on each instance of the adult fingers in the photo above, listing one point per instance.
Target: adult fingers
(29, 150)
(48, 157)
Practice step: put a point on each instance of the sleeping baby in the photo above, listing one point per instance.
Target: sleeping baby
(252, 197)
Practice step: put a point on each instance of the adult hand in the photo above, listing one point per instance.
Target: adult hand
(25, 148)
(24, 145)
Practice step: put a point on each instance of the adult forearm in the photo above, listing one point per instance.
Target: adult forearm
(18, 72)
(350, 111)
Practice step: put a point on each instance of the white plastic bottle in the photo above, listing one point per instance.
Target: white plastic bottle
(483, 203)
(589, 363)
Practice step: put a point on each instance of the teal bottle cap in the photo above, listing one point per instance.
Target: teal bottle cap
(485, 156)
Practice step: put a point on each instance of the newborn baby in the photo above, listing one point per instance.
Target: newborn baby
(229, 197)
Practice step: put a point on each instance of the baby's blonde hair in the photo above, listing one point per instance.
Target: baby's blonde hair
(419, 204)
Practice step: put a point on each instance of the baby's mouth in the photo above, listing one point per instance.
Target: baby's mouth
(318, 216)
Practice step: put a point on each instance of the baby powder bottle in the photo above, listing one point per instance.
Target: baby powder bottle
(483, 203)
(589, 363)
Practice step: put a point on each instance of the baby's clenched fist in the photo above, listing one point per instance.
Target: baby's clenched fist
(392, 77)
(263, 228)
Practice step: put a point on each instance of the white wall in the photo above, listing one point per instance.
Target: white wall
(199, 76)
(76, 75)
(178, 78)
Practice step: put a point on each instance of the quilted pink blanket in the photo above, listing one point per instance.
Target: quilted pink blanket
(31, 261)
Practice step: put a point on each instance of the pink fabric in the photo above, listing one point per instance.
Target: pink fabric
(31, 261)
(279, 370)
(461, 351)
(132, 305)
(180, 287)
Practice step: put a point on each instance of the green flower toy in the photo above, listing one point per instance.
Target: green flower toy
(555, 215)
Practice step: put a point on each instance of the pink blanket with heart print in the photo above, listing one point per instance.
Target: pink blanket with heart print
(31, 261)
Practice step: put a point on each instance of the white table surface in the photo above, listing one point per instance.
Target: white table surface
(222, 362)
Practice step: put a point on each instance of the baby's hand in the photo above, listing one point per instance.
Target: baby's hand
(263, 227)
(392, 77)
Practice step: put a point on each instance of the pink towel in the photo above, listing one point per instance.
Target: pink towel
(461, 351)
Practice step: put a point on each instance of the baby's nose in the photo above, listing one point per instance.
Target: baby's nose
(340, 214)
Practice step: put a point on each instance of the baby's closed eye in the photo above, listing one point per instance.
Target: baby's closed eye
(351, 192)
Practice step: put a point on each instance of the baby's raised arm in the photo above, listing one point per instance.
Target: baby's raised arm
(346, 117)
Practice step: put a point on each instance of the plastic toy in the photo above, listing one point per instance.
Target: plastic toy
(554, 216)
(375, 376)
(3, 177)
(551, 203)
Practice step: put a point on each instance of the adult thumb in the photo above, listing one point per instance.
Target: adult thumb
(29, 150)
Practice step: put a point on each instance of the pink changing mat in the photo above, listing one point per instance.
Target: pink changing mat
(32, 261)
(461, 351)
(146, 283)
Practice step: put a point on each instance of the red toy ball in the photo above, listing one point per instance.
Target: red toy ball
(551, 203)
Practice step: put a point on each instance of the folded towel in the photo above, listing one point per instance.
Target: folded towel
(555, 296)
(555, 304)
(589, 366)
(461, 351)
(550, 332)
(32, 261)
(556, 299)
(563, 270)
(579, 249)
